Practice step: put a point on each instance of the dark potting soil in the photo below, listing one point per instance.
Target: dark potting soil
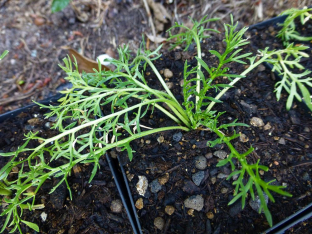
(90, 209)
(283, 144)
(167, 159)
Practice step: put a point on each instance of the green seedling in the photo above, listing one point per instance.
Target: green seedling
(288, 33)
(3, 54)
(284, 63)
(58, 5)
(128, 97)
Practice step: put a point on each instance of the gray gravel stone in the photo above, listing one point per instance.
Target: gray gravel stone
(159, 223)
(155, 186)
(235, 209)
(198, 177)
(177, 136)
(116, 206)
(255, 204)
(200, 162)
(222, 176)
(220, 154)
(195, 202)
(306, 176)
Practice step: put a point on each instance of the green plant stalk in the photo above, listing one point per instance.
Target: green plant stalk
(98, 121)
(5, 192)
(288, 32)
(243, 74)
(126, 91)
(177, 109)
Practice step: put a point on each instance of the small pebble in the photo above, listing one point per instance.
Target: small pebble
(235, 208)
(213, 180)
(281, 141)
(294, 117)
(190, 188)
(139, 203)
(224, 190)
(255, 204)
(29, 127)
(261, 67)
(177, 137)
(142, 185)
(44, 216)
(271, 29)
(220, 154)
(116, 206)
(169, 210)
(47, 125)
(177, 55)
(168, 73)
(155, 186)
(190, 212)
(222, 176)
(210, 215)
(306, 176)
(256, 122)
(267, 126)
(130, 176)
(200, 162)
(243, 137)
(169, 85)
(159, 223)
(198, 177)
(160, 139)
(195, 202)
(208, 155)
(164, 179)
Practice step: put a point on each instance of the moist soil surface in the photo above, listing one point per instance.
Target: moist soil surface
(283, 143)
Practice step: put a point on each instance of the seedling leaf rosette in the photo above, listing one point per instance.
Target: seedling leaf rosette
(126, 93)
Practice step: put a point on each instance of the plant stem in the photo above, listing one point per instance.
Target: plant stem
(243, 74)
(98, 121)
(196, 38)
(177, 109)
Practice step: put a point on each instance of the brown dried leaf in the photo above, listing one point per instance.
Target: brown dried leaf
(156, 39)
(84, 63)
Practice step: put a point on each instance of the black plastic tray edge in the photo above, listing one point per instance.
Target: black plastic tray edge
(51, 100)
(265, 24)
(117, 172)
(123, 189)
(134, 212)
(292, 220)
(306, 212)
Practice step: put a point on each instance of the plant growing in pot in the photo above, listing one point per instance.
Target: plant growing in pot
(291, 69)
(125, 97)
